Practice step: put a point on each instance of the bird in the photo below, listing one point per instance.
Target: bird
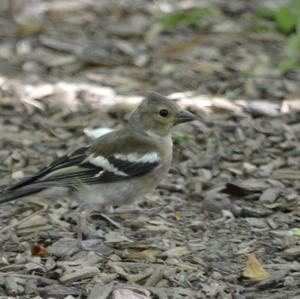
(118, 167)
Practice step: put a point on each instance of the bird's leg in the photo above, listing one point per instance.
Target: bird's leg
(82, 229)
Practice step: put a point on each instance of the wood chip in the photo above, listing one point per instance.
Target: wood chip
(177, 251)
(100, 291)
(79, 274)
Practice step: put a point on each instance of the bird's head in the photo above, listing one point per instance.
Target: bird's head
(156, 115)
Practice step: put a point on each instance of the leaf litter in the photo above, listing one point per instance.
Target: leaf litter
(70, 71)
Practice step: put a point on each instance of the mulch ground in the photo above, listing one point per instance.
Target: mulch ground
(227, 216)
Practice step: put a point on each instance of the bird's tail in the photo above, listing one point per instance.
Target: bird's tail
(10, 195)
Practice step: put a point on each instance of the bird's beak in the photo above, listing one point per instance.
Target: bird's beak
(185, 116)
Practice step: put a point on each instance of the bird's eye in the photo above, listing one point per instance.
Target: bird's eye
(164, 112)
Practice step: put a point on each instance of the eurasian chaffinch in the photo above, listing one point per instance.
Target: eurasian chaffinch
(118, 167)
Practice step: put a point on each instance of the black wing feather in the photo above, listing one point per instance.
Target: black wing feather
(132, 168)
(86, 172)
(90, 172)
(71, 159)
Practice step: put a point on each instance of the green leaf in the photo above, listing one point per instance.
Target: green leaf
(192, 17)
(167, 69)
(249, 71)
(287, 65)
(286, 20)
(179, 137)
(295, 7)
(173, 20)
(265, 59)
(266, 13)
(296, 231)
(292, 47)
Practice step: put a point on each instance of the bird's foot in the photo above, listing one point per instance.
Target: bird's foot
(85, 230)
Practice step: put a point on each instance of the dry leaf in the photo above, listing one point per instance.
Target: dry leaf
(181, 47)
(38, 250)
(177, 251)
(274, 205)
(188, 267)
(237, 190)
(96, 133)
(254, 269)
(148, 255)
(178, 215)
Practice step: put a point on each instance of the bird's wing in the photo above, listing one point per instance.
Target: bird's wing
(96, 164)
